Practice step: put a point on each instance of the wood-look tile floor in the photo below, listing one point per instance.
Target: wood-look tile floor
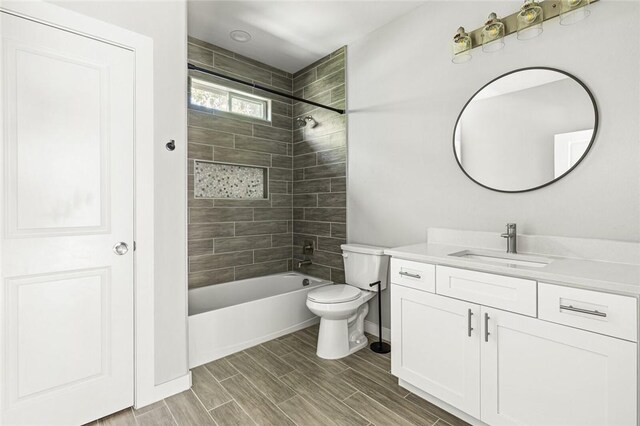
(283, 382)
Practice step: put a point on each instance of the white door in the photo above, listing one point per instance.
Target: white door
(67, 199)
(540, 373)
(437, 346)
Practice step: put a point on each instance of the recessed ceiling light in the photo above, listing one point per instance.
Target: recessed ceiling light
(239, 35)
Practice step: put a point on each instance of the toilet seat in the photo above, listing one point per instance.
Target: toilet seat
(337, 293)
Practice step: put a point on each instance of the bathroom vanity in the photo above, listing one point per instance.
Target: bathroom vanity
(512, 339)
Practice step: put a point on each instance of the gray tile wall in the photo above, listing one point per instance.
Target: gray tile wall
(319, 167)
(236, 239)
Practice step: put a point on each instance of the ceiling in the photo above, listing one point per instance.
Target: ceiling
(290, 35)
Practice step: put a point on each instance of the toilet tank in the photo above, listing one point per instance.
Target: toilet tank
(364, 265)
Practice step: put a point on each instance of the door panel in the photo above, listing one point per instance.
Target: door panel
(432, 346)
(54, 192)
(67, 191)
(539, 373)
(75, 306)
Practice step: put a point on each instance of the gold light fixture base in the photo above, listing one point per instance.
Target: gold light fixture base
(550, 10)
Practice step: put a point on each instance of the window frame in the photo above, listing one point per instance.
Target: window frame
(231, 95)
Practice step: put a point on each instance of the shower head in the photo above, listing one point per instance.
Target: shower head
(309, 119)
(302, 122)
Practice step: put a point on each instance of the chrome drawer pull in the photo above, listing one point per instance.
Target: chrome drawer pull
(469, 328)
(486, 327)
(409, 274)
(583, 311)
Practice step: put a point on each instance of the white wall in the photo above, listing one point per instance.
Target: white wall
(405, 95)
(165, 23)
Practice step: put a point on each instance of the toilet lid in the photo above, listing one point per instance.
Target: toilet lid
(336, 293)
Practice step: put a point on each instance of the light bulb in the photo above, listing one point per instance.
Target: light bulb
(492, 34)
(493, 30)
(529, 15)
(572, 11)
(529, 20)
(461, 47)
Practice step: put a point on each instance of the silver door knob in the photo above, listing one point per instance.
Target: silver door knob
(121, 248)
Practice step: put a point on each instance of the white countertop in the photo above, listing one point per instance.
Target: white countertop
(589, 274)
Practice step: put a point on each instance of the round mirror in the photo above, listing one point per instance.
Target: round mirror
(525, 130)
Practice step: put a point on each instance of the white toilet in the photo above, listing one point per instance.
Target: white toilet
(343, 307)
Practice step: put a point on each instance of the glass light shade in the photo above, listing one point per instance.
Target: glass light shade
(461, 47)
(492, 34)
(530, 20)
(572, 11)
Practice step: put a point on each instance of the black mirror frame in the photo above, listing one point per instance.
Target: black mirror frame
(593, 136)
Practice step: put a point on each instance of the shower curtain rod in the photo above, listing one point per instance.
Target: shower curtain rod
(266, 89)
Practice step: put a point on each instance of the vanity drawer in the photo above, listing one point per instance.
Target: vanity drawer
(421, 276)
(497, 291)
(604, 313)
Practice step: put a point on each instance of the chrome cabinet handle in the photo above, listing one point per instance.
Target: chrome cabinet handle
(469, 327)
(486, 327)
(409, 274)
(583, 311)
(121, 248)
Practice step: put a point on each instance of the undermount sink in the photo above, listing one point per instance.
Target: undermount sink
(506, 259)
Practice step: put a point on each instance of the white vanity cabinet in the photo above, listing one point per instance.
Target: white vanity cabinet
(535, 372)
(508, 368)
(443, 360)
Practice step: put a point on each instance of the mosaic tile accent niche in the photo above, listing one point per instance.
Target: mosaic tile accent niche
(219, 180)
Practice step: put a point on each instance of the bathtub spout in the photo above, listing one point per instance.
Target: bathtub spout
(304, 262)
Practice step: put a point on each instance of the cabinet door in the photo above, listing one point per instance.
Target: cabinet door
(437, 346)
(539, 373)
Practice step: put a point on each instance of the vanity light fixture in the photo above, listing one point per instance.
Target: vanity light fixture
(492, 34)
(530, 20)
(461, 47)
(572, 11)
(526, 23)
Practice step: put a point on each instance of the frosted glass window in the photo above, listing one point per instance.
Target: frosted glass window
(247, 107)
(219, 180)
(212, 96)
(209, 97)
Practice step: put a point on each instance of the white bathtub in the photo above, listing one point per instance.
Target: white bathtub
(230, 317)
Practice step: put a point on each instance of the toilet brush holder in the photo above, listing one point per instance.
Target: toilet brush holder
(379, 346)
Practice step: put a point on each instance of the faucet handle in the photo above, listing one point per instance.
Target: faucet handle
(511, 230)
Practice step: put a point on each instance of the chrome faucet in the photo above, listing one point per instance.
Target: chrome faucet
(304, 262)
(511, 236)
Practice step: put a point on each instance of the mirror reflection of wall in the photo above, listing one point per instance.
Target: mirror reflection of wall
(524, 130)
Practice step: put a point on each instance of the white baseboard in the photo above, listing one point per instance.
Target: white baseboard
(166, 389)
(372, 328)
